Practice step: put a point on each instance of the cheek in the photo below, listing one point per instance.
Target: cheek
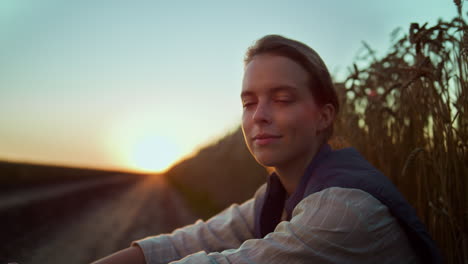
(245, 123)
(299, 124)
(246, 127)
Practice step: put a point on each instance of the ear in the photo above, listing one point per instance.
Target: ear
(327, 116)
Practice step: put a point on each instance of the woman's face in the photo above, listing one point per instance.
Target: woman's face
(281, 120)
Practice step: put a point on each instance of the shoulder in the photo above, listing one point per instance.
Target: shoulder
(347, 168)
(260, 191)
(337, 201)
(352, 218)
(351, 197)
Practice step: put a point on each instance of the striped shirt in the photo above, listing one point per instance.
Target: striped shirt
(335, 225)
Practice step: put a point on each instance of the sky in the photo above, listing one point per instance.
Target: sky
(137, 85)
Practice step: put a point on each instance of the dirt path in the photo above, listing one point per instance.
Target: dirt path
(27, 196)
(146, 208)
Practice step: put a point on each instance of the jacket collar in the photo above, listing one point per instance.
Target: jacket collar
(275, 200)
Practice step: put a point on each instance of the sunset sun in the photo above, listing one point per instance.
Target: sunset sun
(153, 154)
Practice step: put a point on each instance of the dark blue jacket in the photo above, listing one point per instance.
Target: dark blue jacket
(344, 168)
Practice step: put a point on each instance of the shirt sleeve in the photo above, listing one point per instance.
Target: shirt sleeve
(226, 230)
(336, 225)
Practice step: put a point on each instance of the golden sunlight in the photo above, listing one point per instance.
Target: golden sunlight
(153, 154)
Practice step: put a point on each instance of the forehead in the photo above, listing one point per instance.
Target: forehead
(271, 71)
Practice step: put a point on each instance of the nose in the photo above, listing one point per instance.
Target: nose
(262, 113)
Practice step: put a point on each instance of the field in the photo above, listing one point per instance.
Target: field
(407, 113)
(78, 220)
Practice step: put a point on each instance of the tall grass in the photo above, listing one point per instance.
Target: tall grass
(407, 113)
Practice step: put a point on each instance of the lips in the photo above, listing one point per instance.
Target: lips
(265, 139)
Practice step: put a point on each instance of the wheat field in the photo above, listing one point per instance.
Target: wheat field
(407, 113)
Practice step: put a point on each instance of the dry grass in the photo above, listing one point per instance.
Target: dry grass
(407, 113)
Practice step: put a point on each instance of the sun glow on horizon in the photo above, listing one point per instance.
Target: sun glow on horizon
(144, 141)
(153, 154)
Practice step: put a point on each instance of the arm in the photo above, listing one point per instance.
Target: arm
(336, 225)
(132, 255)
(226, 230)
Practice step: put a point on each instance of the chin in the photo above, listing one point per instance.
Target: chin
(266, 160)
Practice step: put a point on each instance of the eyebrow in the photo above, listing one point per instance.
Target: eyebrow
(277, 89)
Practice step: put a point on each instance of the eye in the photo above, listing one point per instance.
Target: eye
(247, 104)
(283, 100)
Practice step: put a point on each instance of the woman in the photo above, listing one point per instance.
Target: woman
(319, 205)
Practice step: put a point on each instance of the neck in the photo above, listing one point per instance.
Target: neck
(290, 173)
